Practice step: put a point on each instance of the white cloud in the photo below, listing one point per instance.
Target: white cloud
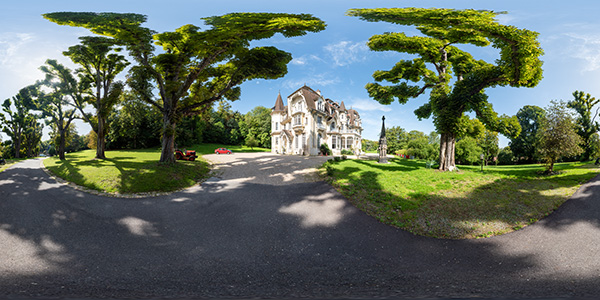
(368, 105)
(584, 47)
(305, 60)
(316, 81)
(11, 45)
(345, 52)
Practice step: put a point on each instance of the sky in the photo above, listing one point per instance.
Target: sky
(335, 61)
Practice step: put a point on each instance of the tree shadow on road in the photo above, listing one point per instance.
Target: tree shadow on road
(236, 238)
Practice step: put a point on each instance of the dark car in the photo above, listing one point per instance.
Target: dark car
(223, 151)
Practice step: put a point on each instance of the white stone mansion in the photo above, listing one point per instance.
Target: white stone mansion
(310, 120)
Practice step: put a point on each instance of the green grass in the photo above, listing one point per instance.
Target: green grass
(456, 205)
(125, 172)
(202, 149)
(10, 162)
(135, 171)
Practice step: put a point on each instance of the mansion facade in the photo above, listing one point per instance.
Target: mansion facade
(309, 120)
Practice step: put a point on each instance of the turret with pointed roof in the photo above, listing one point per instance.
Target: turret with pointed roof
(278, 104)
(342, 106)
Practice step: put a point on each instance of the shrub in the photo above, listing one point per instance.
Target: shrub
(325, 149)
(344, 157)
(337, 158)
(347, 152)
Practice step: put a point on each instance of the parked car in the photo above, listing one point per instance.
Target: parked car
(223, 151)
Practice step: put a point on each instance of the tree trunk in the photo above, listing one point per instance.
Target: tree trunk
(61, 145)
(100, 143)
(447, 146)
(18, 146)
(167, 154)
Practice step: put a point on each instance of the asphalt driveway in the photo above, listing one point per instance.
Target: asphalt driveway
(257, 230)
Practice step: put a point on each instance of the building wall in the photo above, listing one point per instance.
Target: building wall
(305, 130)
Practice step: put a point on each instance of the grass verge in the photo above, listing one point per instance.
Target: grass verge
(126, 172)
(455, 205)
(203, 149)
(10, 162)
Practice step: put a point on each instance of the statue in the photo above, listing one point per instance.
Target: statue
(382, 144)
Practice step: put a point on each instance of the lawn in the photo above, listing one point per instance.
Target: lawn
(10, 162)
(456, 205)
(128, 171)
(135, 171)
(210, 148)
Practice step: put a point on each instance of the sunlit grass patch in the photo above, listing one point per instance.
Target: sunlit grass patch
(129, 171)
(456, 205)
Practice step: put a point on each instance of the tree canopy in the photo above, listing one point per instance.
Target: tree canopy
(583, 104)
(455, 79)
(197, 67)
(99, 67)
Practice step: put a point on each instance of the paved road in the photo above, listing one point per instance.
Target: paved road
(260, 232)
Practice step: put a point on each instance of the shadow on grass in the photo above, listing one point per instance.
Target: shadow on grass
(497, 206)
(133, 176)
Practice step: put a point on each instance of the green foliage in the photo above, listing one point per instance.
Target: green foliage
(586, 127)
(197, 67)
(369, 146)
(488, 142)
(136, 125)
(347, 152)
(557, 136)
(73, 141)
(518, 66)
(506, 157)
(251, 142)
(397, 138)
(468, 151)
(530, 118)
(258, 125)
(99, 67)
(56, 104)
(325, 149)
(16, 120)
(32, 135)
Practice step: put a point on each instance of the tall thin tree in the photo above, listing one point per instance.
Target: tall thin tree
(99, 67)
(58, 104)
(584, 104)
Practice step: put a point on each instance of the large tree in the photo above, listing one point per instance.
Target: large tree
(523, 146)
(557, 136)
(196, 67)
(99, 67)
(32, 135)
(583, 104)
(15, 117)
(439, 59)
(58, 102)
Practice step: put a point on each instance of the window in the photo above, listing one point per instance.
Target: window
(276, 126)
(276, 141)
(319, 120)
(348, 142)
(296, 142)
(297, 120)
(334, 142)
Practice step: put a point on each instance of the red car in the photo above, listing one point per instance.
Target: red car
(223, 151)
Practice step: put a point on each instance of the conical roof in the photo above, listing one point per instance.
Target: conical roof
(278, 104)
(342, 107)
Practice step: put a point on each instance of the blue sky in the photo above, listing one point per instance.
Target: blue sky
(335, 61)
